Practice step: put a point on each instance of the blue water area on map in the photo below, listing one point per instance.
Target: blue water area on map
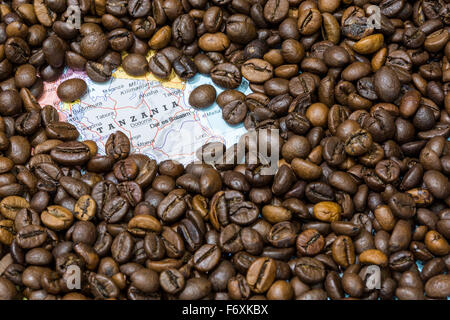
(213, 114)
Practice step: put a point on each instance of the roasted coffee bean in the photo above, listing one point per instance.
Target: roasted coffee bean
(310, 242)
(53, 50)
(173, 243)
(230, 239)
(305, 169)
(203, 96)
(125, 170)
(8, 290)
(118, 145)
(141, 224)
(138, 9)
(437, 286)
(373, 256)
(61, 131)
(226, 75)
(145, 280)
(93, 45)
(275, 12)
(17, 50)
(70, 153)
(122, 247)
(30, 236)
(402, 205)
(135, 64)
(7, 232)
(327, 211)
(437, 183)
(99, 72)
(203, 63)
(385, 78)
(309, 21)
(160, 66)
(10, 103)
(74, 187)
(102, 287)
(154, 246)
(234, 112)
(28, 123)
(240, 29)
(57, 218)
(11, 205)
(309, 270)
(26, 217)
(184, 67)
(261, 274)
(352, 284)
(25, 76)
(257, 70)
(283, 180)
(343, 251)
(115, 209)
(213, 42)
(342, 181)
(206, 257)
(243, 212)
(172, 206)
(172, 281)
(401, 260)
(120, 39)
(195, 289)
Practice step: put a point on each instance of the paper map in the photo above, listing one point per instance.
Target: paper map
(156, 116)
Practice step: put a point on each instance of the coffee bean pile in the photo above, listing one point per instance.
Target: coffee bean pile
(362, 106)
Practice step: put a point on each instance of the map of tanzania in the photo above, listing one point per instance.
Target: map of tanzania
(156, 116)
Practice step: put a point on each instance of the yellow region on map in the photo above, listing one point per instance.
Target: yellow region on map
(173, 81)
(68, 105)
